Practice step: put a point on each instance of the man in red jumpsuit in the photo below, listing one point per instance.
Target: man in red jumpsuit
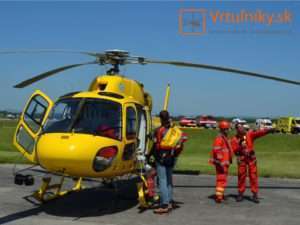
(221, 158)
(243, 147)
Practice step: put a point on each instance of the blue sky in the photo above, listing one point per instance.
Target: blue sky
(150, 29)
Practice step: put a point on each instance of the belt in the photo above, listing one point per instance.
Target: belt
(249, 154)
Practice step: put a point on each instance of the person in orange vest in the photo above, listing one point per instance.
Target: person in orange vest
(243, 147)
(221, 158)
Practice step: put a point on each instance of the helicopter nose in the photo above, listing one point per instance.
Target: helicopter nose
(73, 154)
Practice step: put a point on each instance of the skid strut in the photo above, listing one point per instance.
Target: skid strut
(142, 193)
(49, 191)
(146, 186)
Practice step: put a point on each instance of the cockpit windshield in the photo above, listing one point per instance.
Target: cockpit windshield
(86, 115)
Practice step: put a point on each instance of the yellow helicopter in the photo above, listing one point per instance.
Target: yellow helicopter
(103, 132)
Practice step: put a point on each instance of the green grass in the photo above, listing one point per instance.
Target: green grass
(8, 153)
(7, 129)
(278, 154)
(12, 157)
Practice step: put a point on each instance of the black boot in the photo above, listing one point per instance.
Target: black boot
(219, 199)
(240, 197)
(255, 198)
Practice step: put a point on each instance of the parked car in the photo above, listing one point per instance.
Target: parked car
(239, 121)
(187, 122)
(263, 123)
(207, 122)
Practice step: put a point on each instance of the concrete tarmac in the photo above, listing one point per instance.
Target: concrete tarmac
(97, 204)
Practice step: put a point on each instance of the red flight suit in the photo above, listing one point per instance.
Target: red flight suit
(243, 148)
(221, 158)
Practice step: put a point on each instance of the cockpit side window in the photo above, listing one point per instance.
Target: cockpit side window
(131, 123)
(35, 112)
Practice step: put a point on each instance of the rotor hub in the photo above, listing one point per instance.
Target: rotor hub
(116, 58)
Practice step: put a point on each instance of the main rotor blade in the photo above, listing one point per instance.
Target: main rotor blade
(50, 73)
(223, 69)
(28, 51)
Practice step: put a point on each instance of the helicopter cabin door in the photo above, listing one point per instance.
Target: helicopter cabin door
(30, 124)
(130, 135)
(142, 131)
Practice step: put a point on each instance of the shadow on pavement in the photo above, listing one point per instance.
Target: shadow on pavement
(86, 203)
(234, 197)
(235, 187)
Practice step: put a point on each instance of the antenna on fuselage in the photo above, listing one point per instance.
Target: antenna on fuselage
(167, 96)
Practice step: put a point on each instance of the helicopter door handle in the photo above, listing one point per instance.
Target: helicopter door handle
(64, 137)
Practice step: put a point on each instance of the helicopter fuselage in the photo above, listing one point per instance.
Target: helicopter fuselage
(96, 133)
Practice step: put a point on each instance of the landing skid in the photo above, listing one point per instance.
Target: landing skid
(49, 191)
